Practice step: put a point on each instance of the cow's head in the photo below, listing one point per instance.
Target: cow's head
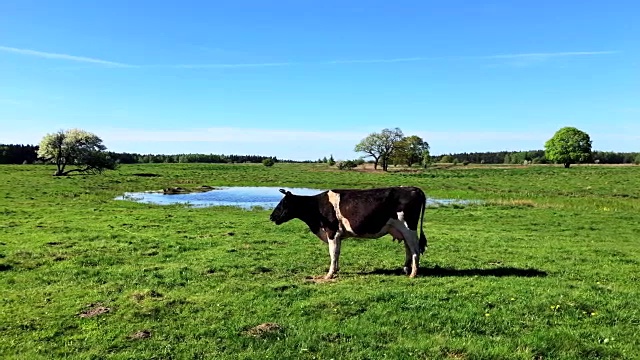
(285, 210)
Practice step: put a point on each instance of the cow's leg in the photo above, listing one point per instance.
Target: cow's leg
(407, 259)
(334, 254)
(411, 221)
(407, 248)
(415, 255)
(412, 251)
(398, 229)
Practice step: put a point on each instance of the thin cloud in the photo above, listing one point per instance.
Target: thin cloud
(49, 55)
(222, 66)
(524, 58)
(373, 61)
(548, 55)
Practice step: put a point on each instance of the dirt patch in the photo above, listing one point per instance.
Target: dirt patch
(94, 310)
(174, 190)
(150, 294)
(263, 329)
(319, 279)
(181, 190)
(54, 243)
(143, 334)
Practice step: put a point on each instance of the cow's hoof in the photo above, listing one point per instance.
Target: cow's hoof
(328, 276)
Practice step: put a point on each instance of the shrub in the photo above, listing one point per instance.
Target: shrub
(268, 162)
(446, 159)
(346, 165)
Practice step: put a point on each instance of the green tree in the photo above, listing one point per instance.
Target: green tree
(426, 158)
(568, 146)
(446, 159)
(372, 146)
(410, 150)
(75, 147)
(331, 161)
(507, 159)
(380, 146)
(268, 162)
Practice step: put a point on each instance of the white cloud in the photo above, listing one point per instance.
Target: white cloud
(49, 55)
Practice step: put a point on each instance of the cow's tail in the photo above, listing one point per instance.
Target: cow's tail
(423, 239)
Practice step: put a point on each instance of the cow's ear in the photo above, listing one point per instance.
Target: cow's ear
(283, 191)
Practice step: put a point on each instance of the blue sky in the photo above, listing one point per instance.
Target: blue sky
(305, 79)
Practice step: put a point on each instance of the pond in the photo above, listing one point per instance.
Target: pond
(246, 197)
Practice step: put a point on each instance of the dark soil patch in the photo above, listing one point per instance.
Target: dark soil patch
(319, 279)
(143, 334)
(5, 267)
(151, 294)
(94, 310)
(146, 174)
(263, 329)
(54, 243)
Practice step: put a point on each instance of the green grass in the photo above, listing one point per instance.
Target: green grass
(547, 268)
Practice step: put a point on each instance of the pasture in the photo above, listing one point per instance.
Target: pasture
(548, 267)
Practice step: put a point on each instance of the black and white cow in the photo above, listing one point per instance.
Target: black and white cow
(334, 215)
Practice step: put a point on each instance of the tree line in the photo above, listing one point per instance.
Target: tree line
(133, 158)
(532, 157)
(85, 151)
(18, 154)
(28, 154)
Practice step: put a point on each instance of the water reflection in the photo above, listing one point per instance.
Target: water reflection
(246, 197)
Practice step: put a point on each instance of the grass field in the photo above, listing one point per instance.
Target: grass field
(547, 268)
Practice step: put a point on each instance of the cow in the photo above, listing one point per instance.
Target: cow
(334, 215)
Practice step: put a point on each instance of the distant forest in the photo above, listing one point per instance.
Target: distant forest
(533, 157)
(27, 154)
